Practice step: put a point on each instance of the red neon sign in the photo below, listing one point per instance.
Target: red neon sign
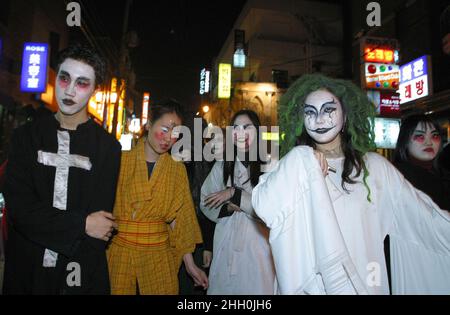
(379, 55)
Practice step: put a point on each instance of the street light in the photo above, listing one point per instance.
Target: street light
(206, 109)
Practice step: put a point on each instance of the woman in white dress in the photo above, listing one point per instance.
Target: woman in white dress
(242, 262)
(370, 198)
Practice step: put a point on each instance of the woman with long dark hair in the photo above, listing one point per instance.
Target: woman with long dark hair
(416, 157)
(367, 196)
(242, 261)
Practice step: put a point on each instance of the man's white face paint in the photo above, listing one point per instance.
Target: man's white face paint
(244, 132)
(425, 143)
(75, 85)
(324, 117)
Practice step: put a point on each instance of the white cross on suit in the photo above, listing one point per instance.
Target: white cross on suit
(63, 161)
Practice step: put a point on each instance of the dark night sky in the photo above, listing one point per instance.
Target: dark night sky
(177, 38)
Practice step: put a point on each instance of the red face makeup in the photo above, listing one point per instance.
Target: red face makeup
(75, 86)
(161, 136)
(63, 81)
(425, 143)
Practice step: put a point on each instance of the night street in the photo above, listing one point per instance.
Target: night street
(224, 148)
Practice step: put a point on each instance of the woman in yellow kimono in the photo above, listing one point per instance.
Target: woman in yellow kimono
(158, 227)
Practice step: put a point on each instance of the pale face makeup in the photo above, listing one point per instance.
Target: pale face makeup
(75, 85)
(424, 143)
(324, 116)
(244, 133)
(163, 134)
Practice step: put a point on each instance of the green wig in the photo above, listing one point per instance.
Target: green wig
(358, 109)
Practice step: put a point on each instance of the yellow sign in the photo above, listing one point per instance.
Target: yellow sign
(271, 136)
(114, 85)
(224, 80)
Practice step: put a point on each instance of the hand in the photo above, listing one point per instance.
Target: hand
(100, 225)
(217, 199)
(207, 258)
(199, 276)
(232, 207)
(322, 162)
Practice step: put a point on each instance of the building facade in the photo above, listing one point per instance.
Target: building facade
(283, 40)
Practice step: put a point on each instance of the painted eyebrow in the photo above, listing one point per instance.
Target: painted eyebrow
(79, 78)
(64, 72)
(310, 106)
(84, 79)
(333, 102)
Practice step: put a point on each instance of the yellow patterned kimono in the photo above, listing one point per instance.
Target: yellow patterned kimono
(146, 250)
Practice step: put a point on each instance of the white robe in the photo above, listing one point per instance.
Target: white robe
(242, 261)
(419, 231)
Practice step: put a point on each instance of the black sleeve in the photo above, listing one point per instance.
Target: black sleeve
(224, 212)
(237, 197)
(106, 188)
(60, 231)
(207, 226)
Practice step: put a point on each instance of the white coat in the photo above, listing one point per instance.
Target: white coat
(418, 229)
(242, 262)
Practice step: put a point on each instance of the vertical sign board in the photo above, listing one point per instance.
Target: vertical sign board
(34, 68)
(207, 82)
(415, 80)
(204, 81)
(224, 81)
(145, 104)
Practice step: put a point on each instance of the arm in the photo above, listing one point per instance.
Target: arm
(276, 194)
(419, 236)
(243, 200)
(199, 276)
(185, 232)
(212, 184)
(60, 231)
(105, 190)
(414, 215)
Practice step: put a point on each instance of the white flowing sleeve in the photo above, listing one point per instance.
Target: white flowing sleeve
(307, 246)
(419, 236)
(269, 203)
(213, 183)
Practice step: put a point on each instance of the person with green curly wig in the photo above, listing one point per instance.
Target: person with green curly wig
(332, 120)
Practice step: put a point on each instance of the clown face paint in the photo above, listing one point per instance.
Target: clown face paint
(424, 143)
(244, 133)
(75, 84)
(161, 134)
(324, 117)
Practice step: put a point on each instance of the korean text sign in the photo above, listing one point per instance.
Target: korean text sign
(34, 68)
(415, 80)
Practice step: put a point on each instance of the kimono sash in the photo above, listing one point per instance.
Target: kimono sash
(142, 235)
